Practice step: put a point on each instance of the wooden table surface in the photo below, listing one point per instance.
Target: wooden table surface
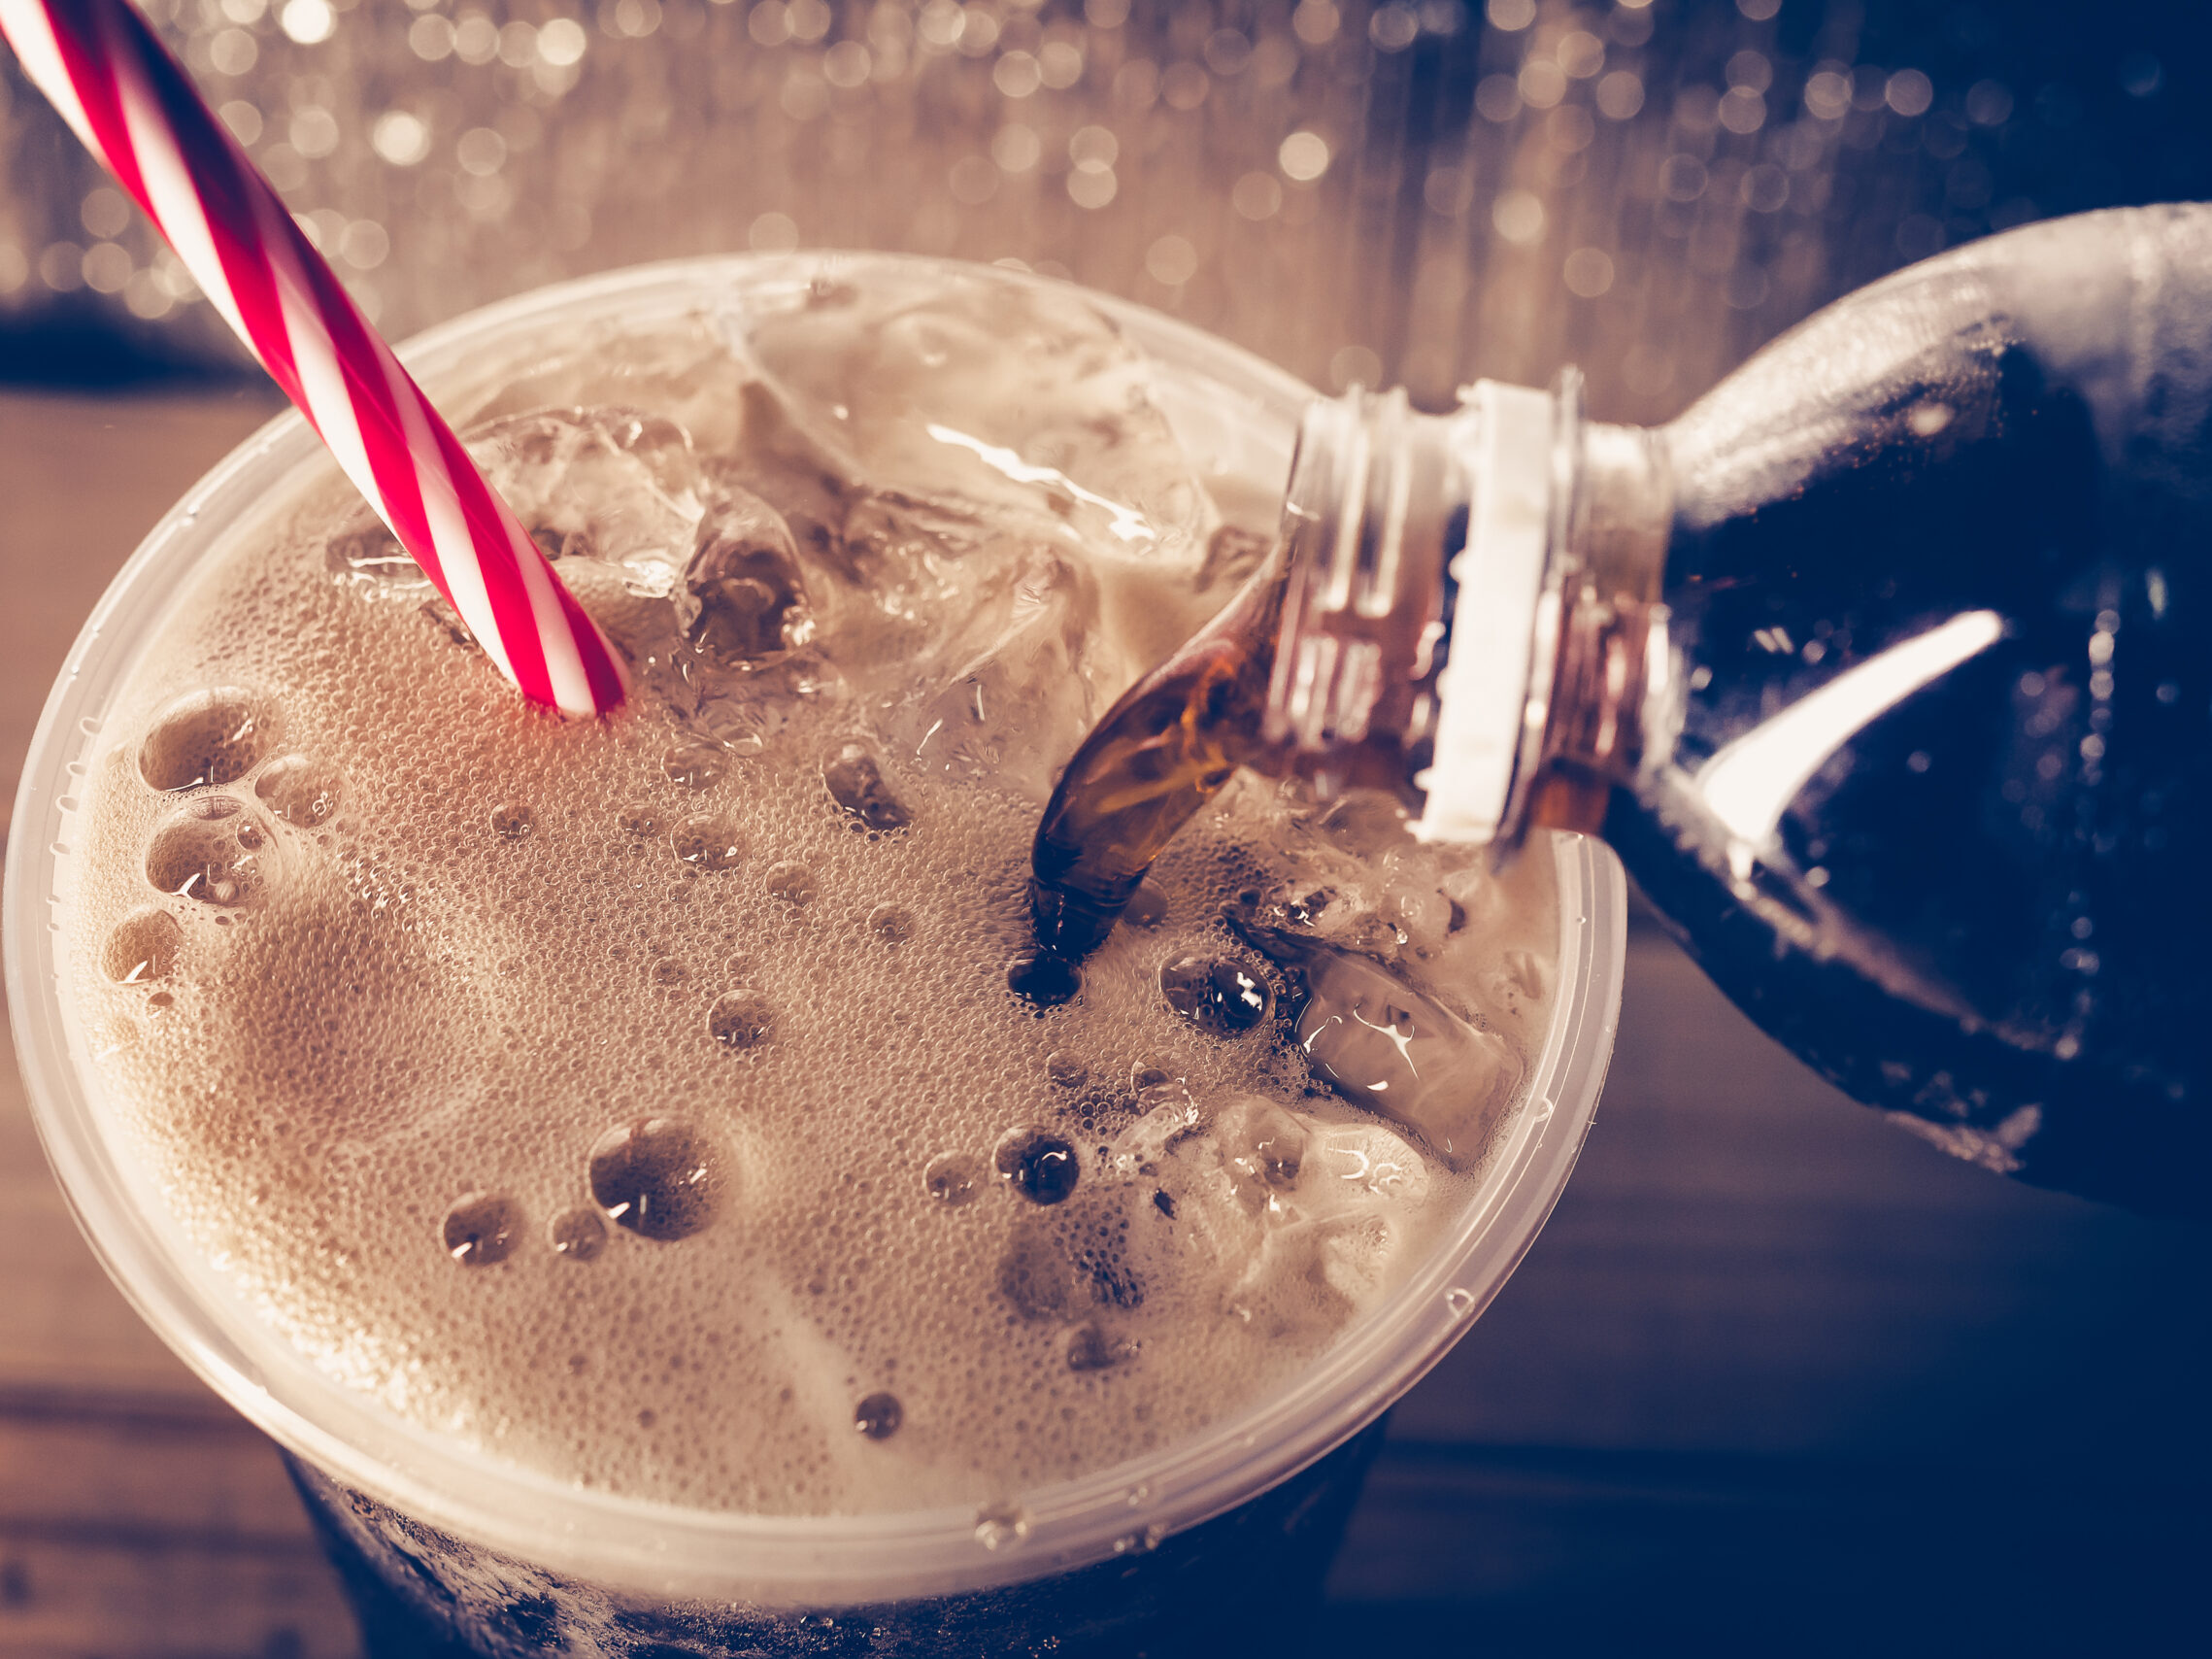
(1776, 1379)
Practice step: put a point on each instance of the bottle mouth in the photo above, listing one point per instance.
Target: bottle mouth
(1422, 616)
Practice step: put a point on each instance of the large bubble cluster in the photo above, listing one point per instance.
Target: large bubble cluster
(646, 1100)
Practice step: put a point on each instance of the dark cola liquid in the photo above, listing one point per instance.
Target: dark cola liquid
(1987, 904)
(1169, 745)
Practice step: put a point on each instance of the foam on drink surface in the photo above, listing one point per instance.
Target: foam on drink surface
(644, 1101)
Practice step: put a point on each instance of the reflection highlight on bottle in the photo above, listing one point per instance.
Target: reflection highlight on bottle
(1748, 781)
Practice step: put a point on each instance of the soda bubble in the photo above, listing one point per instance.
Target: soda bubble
(204, 738)
(855, 782)
(1088, 1348)
(706, 842)
(793, 883)
(1217, 995)
(694, 766)
(657, 1176)
(579, 1233)
(1035, 1277)
(298, 791)
(142, 947)
(481, 1229)
(878, 1416)
(1066, 1071)
(740, 1019)
(1148, 909)
(209, 852)
(893, 924)
(665, 972)
(952, 1179)
(745, 602)
(512, 821)
(643, 821)
(1045, 979)
(1042, 1167)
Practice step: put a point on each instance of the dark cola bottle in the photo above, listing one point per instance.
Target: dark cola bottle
(1887, 668)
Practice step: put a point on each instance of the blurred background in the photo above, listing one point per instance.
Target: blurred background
(1408, 191)
(1776, 1379)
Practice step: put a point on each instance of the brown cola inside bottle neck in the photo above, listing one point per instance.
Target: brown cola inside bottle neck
(1884, 667)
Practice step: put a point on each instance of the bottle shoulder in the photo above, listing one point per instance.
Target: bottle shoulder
(2104, 320)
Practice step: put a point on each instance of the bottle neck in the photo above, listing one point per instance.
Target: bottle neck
(1471, 610)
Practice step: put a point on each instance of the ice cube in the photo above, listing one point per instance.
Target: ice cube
(984, 388)
(687, 368)
(365, 555)
(1289, 1216)
(880, 567)
(1012, 694)
(743, 603)
(1385, 1044)
(606, 483)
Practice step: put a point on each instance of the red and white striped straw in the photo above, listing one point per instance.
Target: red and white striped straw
(134, 108)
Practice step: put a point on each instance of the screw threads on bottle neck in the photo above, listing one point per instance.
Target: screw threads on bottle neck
(1368, 529)
(1467, 603)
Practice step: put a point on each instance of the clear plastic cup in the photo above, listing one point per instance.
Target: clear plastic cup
(378, 1476)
